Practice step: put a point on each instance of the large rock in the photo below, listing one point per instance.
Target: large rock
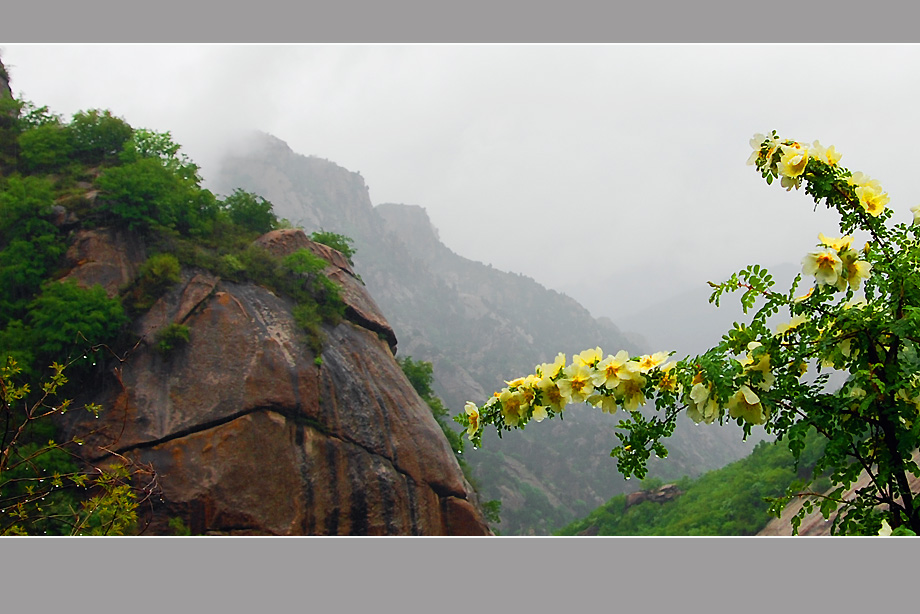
(106, 257)
(251, 433)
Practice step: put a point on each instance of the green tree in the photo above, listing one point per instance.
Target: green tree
(145, 194)
(860, 317)
(160, 146)
(46, 147)
(250, 211)
(66, 317)
(30, 245)
(98, 135)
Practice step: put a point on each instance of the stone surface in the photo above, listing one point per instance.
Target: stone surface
(108, 257)
(360, 307)
(662, 494)
(250, 433)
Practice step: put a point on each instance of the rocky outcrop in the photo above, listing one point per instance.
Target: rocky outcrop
(662, 494)
(251, 433)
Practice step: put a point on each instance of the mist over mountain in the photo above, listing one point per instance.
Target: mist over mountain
(478, 326)
(689, 324)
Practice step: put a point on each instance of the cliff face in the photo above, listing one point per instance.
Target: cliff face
(250, 432)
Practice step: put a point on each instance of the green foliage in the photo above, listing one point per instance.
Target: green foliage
(65, 318)
(307, 317)
(733, 500)
(160, 146)
(9, 134)
(157, 274)
(420, 374)
(250, 211)
(492, 511)
(338, 242)
(32, 116)
(45, 148)
(30, 246)
(303, 279)
(145, 194)
(43, 488)
(179, 527)
(303, 262)
(98, 136)
(172, 336)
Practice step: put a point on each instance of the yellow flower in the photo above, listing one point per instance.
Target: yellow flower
(513, 406)
(853, 271)
(826, 266)
(551, 395)
(588, 358)
(702, 406)
(798, 320)
(746, 404)
(612, 370)
(828, 155)
(793, 160)
(762, 365)
(668, 381)
(757, 143)
(539, 413)
(869, 192)
(472, 413)
(607, 403)
(629, 393)
(841, 244)
(872, 201)
(577, 383)
(861, 179)
(647, 363)
(552, 369)
(916, 211)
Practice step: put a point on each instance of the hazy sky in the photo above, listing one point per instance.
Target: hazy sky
(613, 173)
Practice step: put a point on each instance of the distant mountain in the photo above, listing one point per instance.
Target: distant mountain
(690, 324)
(478, 326)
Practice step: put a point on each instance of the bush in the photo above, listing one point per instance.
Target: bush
(171, 337)
(30, 246)
(337, 242)
(65, 317)
(98, 135)
(156, 276)
(45, 148)
(144, 194)
(250, 211)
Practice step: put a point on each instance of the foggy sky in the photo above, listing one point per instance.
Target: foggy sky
(613, 173)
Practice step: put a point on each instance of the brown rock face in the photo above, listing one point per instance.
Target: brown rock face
(662, 494)
(107, 257)
(251, 433)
